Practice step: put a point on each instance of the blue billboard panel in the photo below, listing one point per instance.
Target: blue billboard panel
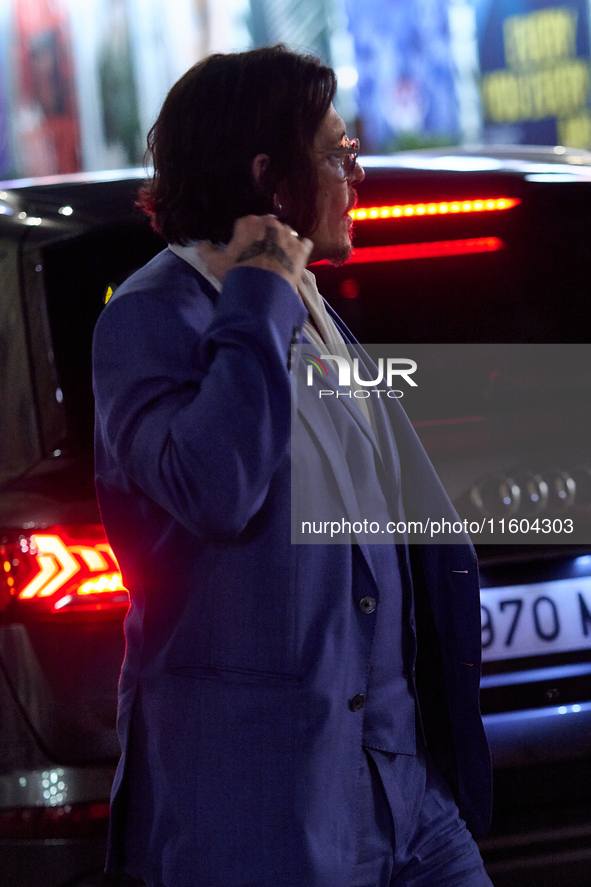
(535, 78)
(406, 83)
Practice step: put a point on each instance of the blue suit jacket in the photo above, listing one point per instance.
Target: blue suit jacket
(240, 753)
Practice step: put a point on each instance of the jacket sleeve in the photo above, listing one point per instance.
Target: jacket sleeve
(198, 420)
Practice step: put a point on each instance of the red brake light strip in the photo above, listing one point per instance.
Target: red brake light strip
(429, 250)
(448, 207)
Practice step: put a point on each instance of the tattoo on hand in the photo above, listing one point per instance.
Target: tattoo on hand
(268, 247)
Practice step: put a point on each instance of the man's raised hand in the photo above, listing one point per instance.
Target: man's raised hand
(261, 242)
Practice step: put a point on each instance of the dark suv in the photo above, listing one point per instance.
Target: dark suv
(452, 248)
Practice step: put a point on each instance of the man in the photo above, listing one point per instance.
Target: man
(274, 728)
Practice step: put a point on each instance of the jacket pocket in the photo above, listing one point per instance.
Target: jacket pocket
(233, 675)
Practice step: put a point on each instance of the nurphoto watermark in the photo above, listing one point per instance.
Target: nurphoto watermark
(436, 444)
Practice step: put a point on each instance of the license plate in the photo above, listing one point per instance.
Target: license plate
(530, 620)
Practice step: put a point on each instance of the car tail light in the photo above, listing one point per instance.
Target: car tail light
(441, 208)
(51, 823)
(431, 249)
(60, 570)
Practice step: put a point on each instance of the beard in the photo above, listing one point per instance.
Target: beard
(336, 251)
(340, 254)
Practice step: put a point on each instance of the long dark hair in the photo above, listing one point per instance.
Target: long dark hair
(222, 113)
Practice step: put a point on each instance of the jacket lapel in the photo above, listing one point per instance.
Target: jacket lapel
(311, 415)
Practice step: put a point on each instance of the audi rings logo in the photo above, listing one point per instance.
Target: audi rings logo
(526, 492)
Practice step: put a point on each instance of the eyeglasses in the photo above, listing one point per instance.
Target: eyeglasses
(347, 155)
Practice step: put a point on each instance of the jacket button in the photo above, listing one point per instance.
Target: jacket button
(367, 604)
(357, 702)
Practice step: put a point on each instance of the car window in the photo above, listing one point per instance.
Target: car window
(77, 274)
(19, 439)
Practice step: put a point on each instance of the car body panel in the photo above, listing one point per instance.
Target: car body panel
(65, 240)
